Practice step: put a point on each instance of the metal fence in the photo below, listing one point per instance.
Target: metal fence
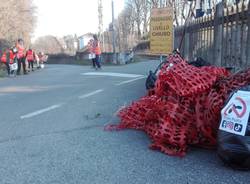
(223, 39)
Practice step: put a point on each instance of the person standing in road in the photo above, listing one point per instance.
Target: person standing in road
(5, 58)
(20, 56)
(30, 56)
(97, 51)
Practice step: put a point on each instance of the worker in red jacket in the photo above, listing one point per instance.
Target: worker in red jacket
(20, 56)
(5, 59)
(30, 56)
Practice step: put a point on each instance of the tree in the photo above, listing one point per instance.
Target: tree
(17, 20)
(137, 13)
(154, 3)
(132, 24)
(70, 41)
(146, 6)
(49, 44)
(125, 28)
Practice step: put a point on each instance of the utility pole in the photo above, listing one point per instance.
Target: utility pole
(113, 32)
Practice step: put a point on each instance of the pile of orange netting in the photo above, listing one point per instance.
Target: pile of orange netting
(184, 107)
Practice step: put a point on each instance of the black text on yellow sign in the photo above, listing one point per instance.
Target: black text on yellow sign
(161, 31)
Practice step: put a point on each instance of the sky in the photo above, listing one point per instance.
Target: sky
(64, 17)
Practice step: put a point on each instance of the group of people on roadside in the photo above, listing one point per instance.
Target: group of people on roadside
(21, 57)
(95, 51)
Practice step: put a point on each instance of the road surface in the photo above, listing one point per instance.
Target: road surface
(52, 132)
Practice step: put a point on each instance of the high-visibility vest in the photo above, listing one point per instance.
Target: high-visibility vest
(4, 57)
(30, 55)
(20, 52)
(97, 49)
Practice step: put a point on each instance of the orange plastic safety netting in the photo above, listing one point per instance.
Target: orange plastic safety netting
(184, 108)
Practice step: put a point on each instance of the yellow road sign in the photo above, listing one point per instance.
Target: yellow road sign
(161, 30)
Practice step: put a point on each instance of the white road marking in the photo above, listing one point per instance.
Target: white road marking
(112, 74)
(129, 81)
(30, 115)
(90, 94)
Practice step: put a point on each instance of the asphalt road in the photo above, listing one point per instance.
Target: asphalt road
(52, 132)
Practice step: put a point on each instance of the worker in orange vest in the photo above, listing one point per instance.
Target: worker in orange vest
(97, 51)
(30, 56)
(20, 56)
(5, 59)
